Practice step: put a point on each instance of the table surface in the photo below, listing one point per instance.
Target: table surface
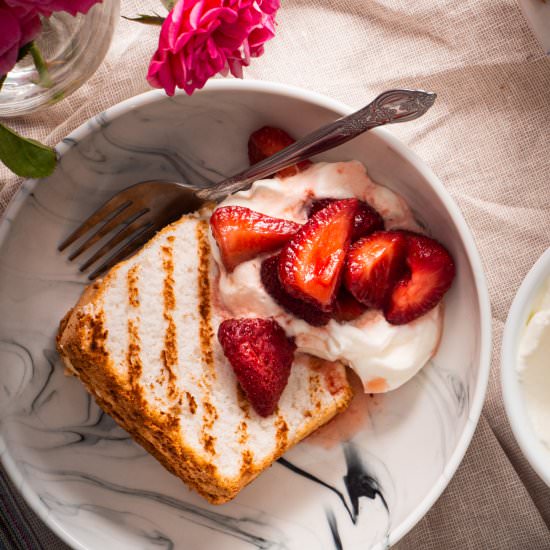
(487, 138)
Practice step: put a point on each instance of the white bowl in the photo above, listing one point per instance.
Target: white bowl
(96, 488)
(514, 398)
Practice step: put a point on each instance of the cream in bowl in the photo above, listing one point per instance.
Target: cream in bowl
(534, 364)
(526, 367)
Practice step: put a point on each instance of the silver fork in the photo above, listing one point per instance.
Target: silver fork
(135, 214)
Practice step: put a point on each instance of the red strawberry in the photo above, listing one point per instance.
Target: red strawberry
(318, 204)
(374, 265)
(266, 142)
(432, 271)
(261, 356)
(308, 312)
(346, 307)
(367, 219)
(242, 233)
(311, 263)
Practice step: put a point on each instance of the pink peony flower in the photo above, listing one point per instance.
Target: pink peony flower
(47, 7)
(18, 26)
(201, 38)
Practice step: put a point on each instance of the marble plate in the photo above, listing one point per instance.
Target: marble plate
(86, 478)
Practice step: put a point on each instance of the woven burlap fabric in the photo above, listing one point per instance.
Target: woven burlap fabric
(487, 138)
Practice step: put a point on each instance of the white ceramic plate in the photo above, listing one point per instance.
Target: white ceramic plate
(87, 479)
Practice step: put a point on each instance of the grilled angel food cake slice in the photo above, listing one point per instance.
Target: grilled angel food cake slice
(143, 342)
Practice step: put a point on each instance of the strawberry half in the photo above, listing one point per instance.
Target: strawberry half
(367, 219)
(242, 233)
(311, 263)
(303, 310)
(374, 265)
(432, 272)
(261, 356)
(269, 140)
(346, 307)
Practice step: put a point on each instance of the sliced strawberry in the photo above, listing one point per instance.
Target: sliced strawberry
(431, 273)
(367, 219)
(311, 263)
(261, 356)
(304, 310)
(374, 265)
(266, 142)
(346, 307)
(242, 233)
(318, 204)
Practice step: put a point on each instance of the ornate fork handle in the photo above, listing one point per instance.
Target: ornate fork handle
(389, 107)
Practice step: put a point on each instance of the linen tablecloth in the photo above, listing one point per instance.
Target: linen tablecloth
(487, 138)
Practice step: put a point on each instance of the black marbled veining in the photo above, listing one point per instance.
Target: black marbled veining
(315, 479)
(248, 529)
(39, 399)
(333, 525)
(357, 481)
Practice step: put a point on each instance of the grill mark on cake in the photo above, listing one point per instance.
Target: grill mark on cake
(191, 402)
(242, 432)
(169, 354)
(133, 360)
(97, 332)
(247, 464)
(206, 333)
(209, 416)
(281, 436)
(210, 411)
(206, 336)
(208, 443)
(132, 282)
(314, 390)
(242, 400)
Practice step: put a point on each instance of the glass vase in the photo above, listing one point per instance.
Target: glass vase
(72, 49)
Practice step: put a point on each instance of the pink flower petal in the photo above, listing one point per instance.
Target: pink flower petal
(195, 14)
(18, 26)
(10, 39)
(202, 38)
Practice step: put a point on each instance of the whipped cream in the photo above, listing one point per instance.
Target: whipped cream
(384, 356)
(534, 365)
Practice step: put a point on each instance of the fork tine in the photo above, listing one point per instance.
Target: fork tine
(115, 205)
(135, 242)
(126, 216)
(117, 238)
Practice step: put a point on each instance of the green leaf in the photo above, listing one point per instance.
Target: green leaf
(25, 157)
(44, 79)
(169, 4)
(146, 19)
